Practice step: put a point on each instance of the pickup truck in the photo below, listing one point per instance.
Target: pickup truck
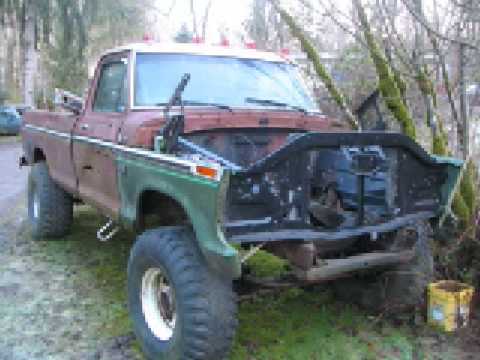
(212, 153)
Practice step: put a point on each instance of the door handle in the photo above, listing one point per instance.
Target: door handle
(84, 126)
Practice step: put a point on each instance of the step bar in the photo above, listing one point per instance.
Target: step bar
(333, 268)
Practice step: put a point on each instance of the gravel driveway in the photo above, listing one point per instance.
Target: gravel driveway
(50, 308)
(12, 191)
(12, 177)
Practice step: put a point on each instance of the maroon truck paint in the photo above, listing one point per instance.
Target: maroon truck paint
(58, 150)
(89, 173)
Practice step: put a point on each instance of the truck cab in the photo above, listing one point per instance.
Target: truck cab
(133, 84)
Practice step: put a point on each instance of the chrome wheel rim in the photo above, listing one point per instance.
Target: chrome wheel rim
(158, 303)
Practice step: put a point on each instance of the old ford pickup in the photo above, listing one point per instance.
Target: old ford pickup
(205, 151)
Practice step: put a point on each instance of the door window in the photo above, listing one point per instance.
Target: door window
(111, 88)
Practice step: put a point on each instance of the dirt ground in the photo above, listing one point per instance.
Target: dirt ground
(13, 178)
(62, 302)
(43, 314)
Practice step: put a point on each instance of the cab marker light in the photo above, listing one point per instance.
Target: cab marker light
(208, 172)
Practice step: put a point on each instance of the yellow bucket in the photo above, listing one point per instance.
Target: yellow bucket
(449, 304)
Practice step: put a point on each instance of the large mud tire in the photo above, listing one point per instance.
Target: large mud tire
(200, 322)
(50, 208)
(406, 285)
(400, 287)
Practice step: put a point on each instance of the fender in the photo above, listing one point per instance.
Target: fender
(28, 157)
(202, 199)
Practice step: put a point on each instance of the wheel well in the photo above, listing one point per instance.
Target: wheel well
(156, 209)
(38, 155)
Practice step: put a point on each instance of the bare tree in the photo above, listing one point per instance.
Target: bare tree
(30, 54)
(3, 61)
(194, 18)
(387, 84)
(200, 23)
(205, 18)
(320, 70)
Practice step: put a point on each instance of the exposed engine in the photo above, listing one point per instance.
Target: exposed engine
(323, 188)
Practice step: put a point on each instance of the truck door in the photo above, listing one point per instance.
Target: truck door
(97, 130)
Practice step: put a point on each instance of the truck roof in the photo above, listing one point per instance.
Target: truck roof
(199, 49)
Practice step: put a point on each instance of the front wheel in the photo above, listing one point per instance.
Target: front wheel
(180, 309)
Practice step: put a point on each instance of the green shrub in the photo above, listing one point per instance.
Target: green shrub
(439, 145)
(263, 264)
(467, 188)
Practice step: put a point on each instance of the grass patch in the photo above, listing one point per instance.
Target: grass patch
(290, 324)
(299, 324)
(98, 272)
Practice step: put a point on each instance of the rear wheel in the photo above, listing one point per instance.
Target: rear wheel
(406, 284)
(402, 286)
(179, 308)
(50, 208)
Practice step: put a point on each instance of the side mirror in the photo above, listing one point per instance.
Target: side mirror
(68, 101)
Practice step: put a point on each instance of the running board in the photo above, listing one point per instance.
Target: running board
(334, 268)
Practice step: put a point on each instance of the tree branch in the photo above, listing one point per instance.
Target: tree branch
(387, 83)
(421, 19)
(314, 57)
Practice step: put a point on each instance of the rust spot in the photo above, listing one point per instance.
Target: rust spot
(263, 121)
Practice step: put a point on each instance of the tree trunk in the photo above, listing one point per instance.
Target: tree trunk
(3, 62)
(30, 55)
(463, 123)
(194, 18)
(259, 31)
(419, 63)
(313, 55)
(205, 19)
(12, 58)
(387, 84)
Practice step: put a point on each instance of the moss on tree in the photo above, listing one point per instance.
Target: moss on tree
(460, 209)
(439, 145)
(314, 57)
(426, 85)
(388, 86)
(467, 188)
(464, 201)
(440, 140)
(401, 84)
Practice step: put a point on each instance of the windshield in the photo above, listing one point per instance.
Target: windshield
(220, 80)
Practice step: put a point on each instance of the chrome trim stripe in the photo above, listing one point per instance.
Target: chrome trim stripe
(208, 154)
(48, 131)
(169, 159)
(132, 64)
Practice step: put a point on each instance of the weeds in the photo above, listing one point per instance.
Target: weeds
(289, 324)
